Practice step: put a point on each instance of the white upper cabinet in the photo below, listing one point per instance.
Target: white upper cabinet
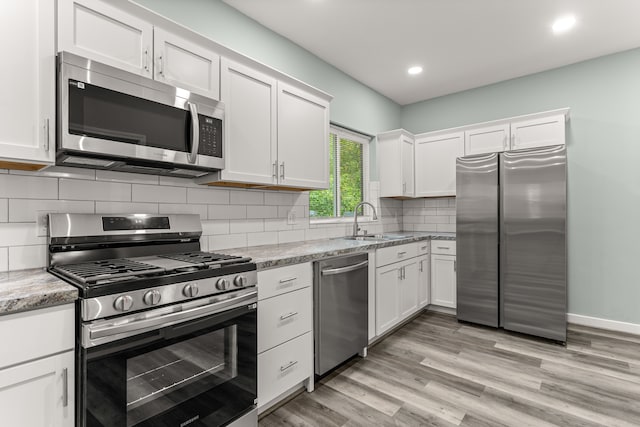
(487, 139)
(249, 97)
(180, 62)
(538, 132)
(435, 158)
(303, 138)
(396, 164)
(27, 80)
(99, 31)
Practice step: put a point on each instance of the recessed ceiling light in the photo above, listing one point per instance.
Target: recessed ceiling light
(564, 24)
(414, 70)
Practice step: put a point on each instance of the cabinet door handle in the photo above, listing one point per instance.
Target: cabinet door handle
(505, 143)
(401, 254)
(286, 316)
(65, 387)
(46, 135)
(455, 265)
(420, 266)
(404, 187)
(282, 171)
(146, 59)
(288, 365)
(442, 247)
(287, 280)
(423, 248)
(160, 66)
(275, 170)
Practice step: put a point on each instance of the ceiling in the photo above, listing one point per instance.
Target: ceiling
(461, 44)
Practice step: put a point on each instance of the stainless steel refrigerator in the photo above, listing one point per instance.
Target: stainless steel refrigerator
(511, 241)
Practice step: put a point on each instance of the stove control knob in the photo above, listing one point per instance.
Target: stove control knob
(152, 297)
(190, 290)
(123, 303)
(240, 281)
(222, 285)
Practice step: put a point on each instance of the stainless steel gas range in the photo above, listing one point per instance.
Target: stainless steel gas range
(166, 334)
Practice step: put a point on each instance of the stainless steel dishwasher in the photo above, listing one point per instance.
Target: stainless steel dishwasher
(341, 297)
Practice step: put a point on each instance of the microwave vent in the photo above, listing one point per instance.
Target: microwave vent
(87, 161)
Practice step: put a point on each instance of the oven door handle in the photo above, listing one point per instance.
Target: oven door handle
(137, 326)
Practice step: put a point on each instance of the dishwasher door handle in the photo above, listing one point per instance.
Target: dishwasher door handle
(345, 269)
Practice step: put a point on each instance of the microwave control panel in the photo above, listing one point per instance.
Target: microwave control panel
(210, 136)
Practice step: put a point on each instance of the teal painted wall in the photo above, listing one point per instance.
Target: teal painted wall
(354, 104)
(603, 167)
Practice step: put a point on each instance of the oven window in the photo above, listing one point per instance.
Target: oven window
(208, 376)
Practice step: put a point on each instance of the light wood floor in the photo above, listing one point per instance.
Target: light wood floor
(436, 371)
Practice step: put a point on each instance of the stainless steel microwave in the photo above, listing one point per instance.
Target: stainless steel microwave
(116, 120)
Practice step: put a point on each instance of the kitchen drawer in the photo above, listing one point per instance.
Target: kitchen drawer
(33, 334)
(284, 317)
(423, 247)
(283, 279)
(393, 254)
(443, 247)
(284, 366)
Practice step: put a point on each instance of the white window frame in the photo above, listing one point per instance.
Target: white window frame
(365, 141)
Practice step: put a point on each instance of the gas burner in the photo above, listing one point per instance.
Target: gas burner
(105, 271)
(213, 260)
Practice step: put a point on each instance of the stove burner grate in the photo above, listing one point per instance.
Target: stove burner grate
(95, 271)
(213, 260)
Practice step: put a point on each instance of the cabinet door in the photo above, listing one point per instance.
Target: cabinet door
(538, 132)
(424, 281)
(408, 177)
(250, 124)
(182, 63)
(96, 30)
(435, 163)
(39, 393)
(387, 307)
(303, 139)
(27, 80)
(487, 139)
(408, 288)
(443, 280)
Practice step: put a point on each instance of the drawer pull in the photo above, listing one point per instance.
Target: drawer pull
(290, 279)
(402, 253)
(288, 365)
(443, 247)
(423, 248)
(286, 316)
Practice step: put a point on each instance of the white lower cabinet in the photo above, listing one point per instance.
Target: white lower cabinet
(408, 288)
(37, 376)
(285, 338)
(424, 281)
(387, 311)
(443, 280)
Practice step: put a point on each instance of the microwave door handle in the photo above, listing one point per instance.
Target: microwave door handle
(195, 133)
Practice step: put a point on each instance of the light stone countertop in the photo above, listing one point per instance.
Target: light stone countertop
(270, 256)
(32, 289)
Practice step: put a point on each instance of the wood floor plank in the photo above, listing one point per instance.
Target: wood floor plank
(436, 371)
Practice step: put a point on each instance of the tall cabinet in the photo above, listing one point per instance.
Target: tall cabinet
(27, 80)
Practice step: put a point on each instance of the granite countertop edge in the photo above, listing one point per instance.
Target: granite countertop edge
(271, 256)
(33, 289)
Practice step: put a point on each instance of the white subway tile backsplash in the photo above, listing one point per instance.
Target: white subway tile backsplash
(276, 224)
(4, 259)
(449, 228)
(181, 208)
(61, 172)
(266, 238)
(275, 198)
(137, 178)
(215, 227)
(436, 219)
(243, 197)
(301, 199)
(208, 195)
(126, 207)
(290, 236)
(23, 257)
(4, 210)
(178, 182)
(204, 243)
(246, 225)
(158, 193)
(262, 211)
(75, 189)
(227, 212)
(26, 210)
(28, 187)
(226, 241)
(20, 234)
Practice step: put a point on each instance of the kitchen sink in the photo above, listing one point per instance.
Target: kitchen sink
(375, 237)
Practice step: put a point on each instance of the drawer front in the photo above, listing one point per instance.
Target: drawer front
(443, 247)
(37, 333)
(284, 279)
(423, 247)
(283, 317)
(283, 367)
(393, 254)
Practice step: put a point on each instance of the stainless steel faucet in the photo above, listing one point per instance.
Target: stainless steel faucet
(355, 216)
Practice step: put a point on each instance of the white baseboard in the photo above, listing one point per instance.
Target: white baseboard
(611, 325)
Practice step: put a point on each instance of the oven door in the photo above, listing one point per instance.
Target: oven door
(114, 114)
(200, 372)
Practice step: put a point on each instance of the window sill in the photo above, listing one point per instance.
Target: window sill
(345, 220)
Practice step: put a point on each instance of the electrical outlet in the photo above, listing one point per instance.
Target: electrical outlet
(42, 223)
(291, 217)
